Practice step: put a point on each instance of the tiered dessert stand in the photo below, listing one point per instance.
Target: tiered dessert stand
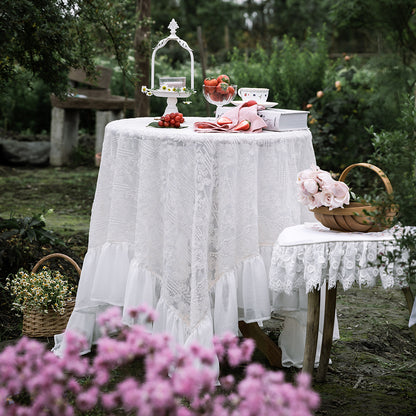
(171, 88)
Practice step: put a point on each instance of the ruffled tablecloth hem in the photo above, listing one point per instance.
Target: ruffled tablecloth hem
(239, 294)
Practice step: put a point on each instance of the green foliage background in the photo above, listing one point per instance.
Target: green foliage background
(294, 48)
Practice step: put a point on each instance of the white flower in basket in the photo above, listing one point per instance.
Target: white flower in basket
(329, 200)
(317, 189)
(44, 291)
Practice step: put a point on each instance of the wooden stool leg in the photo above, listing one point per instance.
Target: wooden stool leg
(312, 327)
(271, 351)
(329, 318)
(408, 294)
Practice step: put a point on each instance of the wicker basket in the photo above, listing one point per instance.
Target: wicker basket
(38, 324)
(354, 217)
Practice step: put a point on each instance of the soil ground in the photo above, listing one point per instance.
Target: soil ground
(373, 368)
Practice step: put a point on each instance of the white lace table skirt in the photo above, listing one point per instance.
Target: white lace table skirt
(307, 256)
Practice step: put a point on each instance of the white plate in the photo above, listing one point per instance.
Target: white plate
(266, 105)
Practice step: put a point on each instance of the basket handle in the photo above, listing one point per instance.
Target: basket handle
(380, 173)
(49, 256)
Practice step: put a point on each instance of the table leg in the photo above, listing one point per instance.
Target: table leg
(271, 351)
(328, 332)
(312, 327)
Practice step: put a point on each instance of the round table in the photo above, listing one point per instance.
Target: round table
(185, 222)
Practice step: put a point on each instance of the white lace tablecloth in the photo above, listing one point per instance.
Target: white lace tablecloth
(185, 222)
(306, 255)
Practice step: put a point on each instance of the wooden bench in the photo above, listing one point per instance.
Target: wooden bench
(85, 94)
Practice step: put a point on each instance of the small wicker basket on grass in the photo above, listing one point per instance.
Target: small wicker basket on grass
(36, 323)
(355, 216)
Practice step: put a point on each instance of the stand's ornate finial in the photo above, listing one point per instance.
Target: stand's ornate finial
(173, 26)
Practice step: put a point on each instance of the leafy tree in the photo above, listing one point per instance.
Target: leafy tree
(385, 25)
(268, 20)
(40, 36)
(48, 37)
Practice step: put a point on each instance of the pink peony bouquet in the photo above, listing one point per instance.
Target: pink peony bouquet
(317, 188)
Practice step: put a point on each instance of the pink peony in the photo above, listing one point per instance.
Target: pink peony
(310, 186)
(327, 199)
(316, 201)
(317, 188)
(324, 179)
(341, 194)
(308, 174)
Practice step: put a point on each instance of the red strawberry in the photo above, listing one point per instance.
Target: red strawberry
(242, 126)
(230, 90)
(249, 103)
(223, 78)
(223, 121)
(221, 88)
(211, 82)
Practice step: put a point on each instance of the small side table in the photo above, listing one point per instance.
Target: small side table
(310, 256)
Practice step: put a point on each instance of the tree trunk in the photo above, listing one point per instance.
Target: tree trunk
(142, 57)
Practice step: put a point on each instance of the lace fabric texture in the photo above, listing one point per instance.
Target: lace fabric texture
(179, 221)
(307, 255)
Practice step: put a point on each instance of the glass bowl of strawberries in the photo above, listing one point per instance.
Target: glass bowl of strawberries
(219, 91)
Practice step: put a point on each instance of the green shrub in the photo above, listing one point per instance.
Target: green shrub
(293, 71)
(395, 154)
(21, 240)
(23, 107)
(351, 100)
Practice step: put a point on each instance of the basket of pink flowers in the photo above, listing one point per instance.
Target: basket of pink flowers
(329, 200)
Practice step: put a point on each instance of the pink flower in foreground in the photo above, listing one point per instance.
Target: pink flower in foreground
(177, 380)
(149, 314)
(109, 400)
(227, 382)
(247, 348)
(110, 320)
(186, 382)
(88, 399)
(234, 356)
(161, 394)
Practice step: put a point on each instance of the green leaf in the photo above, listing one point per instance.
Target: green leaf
(155, 124)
